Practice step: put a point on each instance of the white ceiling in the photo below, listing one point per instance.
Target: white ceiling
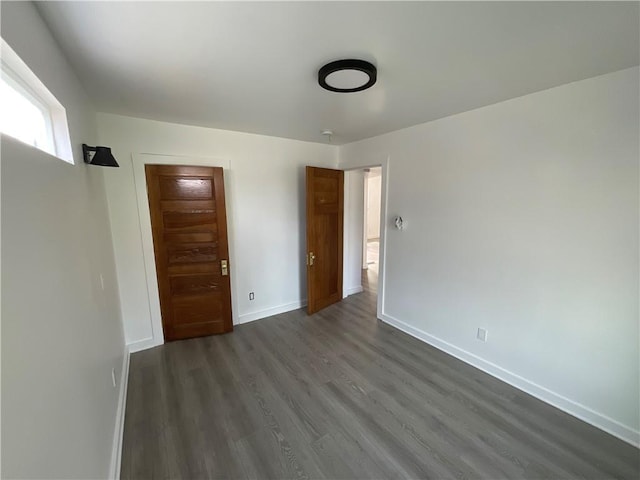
(252, 67)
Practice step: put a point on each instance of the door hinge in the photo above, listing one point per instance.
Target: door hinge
(310, 258)
(224, 266)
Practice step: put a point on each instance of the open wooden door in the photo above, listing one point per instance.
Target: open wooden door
(189, 225)
(325, 214)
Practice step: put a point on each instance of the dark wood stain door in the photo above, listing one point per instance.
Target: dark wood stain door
(189, 225)
(325, 214)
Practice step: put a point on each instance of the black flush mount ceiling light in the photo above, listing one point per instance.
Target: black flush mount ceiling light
(347, 76)
(98, 156)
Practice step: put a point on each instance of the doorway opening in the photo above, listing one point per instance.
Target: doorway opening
(364, 235)
(371, 228)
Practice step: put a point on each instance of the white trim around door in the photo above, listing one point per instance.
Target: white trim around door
(139, 160)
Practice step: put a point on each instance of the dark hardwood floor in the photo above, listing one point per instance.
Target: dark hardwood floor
(341, 395)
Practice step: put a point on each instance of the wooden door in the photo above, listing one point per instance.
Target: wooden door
(325, 214)
(189, 225)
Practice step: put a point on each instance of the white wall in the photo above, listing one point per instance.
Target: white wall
(522, 218)
(61, 332)
(374, 189)
(266, 213)
(353, 228)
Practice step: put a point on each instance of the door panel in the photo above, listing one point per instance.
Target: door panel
(197, 283)
(179, 220)
(190, 310)
(189, 225)
(192, 253)
(185, 188)
(325, 214)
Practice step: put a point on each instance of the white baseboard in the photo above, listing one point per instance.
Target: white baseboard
(116, 451)
(268, 312)
(567, 405)
(143, 344)
(352, 291)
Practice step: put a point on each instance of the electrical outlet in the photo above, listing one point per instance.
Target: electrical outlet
(482, 335)
(251, 296)
(113, 376)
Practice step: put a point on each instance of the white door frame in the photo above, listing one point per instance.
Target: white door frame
(365, 220)
(383, 162)
(139, 160)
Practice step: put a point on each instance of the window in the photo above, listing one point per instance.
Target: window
(23, 116)
(29, 112)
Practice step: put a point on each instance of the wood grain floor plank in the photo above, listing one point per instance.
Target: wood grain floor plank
(341, 395)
